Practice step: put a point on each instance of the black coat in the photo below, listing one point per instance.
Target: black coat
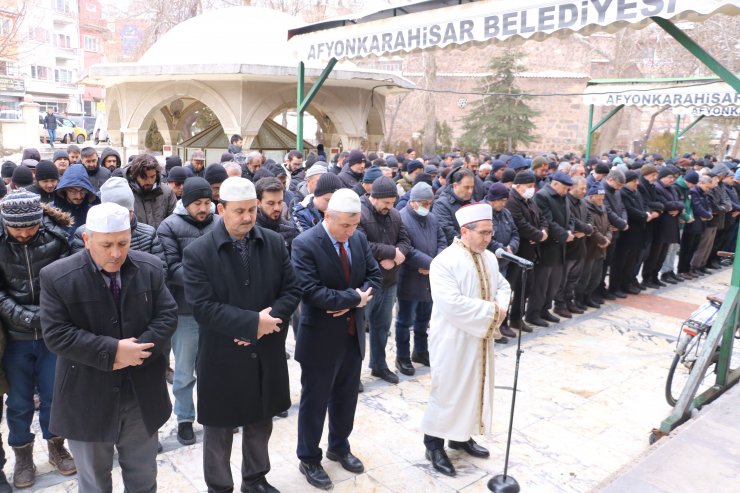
(348, 177)
(385, 233)
(445, 207)
(19, 274)
(240, 385)
(529, 223)
(283, 227)
(702, 210)
(505, 234)
(653, 203)
(582, 223)
(666, 227)
(321, 340)
(82, 326)
(636, 236)
(615, 210)
(556, 210)
(175, 233)
(427, 241)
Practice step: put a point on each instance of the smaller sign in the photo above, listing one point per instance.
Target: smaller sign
(167, 150)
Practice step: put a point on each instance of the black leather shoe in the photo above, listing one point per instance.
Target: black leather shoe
(440, 462)
(386, 375)
(674, 276)
(283, 414)
(704, 270)
(185, 433)
(262, 486)
(573, 308)
(668, 279)
(502, 340)
(506, 331)
(421, 358)
(348, 461)
(520, 325)
(597, 299)
(635, 289)
(315, 475)
(659, 282)
(650, 284)
(591, 303)
(360, 388)
(561, 311)
(536, 321)
(618, 294)
(471, 448)
(580, 305)
(609, 296)
(550, 317)
(404, 366)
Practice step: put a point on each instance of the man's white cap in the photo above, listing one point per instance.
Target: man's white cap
(473, 213)
(108, 217)
(236, 189)
(316, 169)
(345, 200)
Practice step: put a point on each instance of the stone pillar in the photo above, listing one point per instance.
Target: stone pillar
(352, 142)
(133, 142)
(247, 140)
(32, 132)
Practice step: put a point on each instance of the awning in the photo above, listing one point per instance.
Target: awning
(439, 23)
(708, 97)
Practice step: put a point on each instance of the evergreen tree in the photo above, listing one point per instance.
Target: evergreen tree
(500, 121)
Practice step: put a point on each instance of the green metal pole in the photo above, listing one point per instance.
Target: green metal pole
(691, 125)
(699, 52)
(319, 83)
(607, 117)
(299, 104)
(590, 131)
(675, 137)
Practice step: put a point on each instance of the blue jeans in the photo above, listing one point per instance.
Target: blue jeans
(185, 347)
(28, 365)
(379, 314)
(418, 314)
(52, 135)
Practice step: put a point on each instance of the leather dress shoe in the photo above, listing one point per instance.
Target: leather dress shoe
(573, 308)
(659, 282)
(360, 388)
(422, 358)
(562, 311)
(609, 296)
(550, 317)
(589, 302)
(283, 414)
(665, 278)
(634, 289)
(704, 270)
(502, 340)
(506, 331)
(262, 486)
(471, 448)
(404, 366)
(440, 461)
(580, 305)
(520, 325)
(348, 461)
(315, 475)
(537, 321)
(597, 299)
(619, 294)
(386, 375)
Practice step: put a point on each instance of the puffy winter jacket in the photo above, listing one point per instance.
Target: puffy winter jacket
(283, 227)
(152, 207)
(46, 197)
(306, 215)
(505, 234)
(19, 273)
(143, 239)
(175, 233)
(98, 176)
(385, 233)
(445, 208)
(427, 241)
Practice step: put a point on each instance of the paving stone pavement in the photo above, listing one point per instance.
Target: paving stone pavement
(590, 391)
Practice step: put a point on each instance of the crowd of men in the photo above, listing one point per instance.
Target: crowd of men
(88, 322)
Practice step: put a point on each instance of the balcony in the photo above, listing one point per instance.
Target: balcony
(66, 53)
(63, 18)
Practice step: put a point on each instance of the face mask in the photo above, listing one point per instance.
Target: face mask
(422, 211)
(528, 193)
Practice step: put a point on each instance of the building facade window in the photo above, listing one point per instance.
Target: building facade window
(39, 34)
(62, 6)
(62, 41)
(39, 72)
(8, 68)
(92, 43)
(6, 25)
(62, 76)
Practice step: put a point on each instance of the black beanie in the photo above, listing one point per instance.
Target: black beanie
(7, 169)
(172, 161)
(46, 170)
(328, 183)
(216, 173)
(177, 174)
(508, 176)
(195, 188)
(22, 176)
(384, 188)
(31, 153)
(262, 173)
(524, 178)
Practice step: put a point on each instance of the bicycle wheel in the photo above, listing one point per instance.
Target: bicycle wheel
(678, 374)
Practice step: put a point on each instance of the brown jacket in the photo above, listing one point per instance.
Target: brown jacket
(602, 232)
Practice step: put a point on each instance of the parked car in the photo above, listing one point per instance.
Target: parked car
(67, 132)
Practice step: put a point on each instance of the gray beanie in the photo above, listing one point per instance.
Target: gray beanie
(421, 191)
(117, 190)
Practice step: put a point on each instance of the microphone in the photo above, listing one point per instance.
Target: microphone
(521, 262)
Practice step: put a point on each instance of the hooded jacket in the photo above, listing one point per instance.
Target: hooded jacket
(175, 233)
(151, 207)
(75, 176)
(109, 151)
(682, 190)
(19, 276)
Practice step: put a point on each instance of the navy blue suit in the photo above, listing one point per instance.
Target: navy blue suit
(330, 358)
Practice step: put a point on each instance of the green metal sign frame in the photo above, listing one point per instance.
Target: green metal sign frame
(304, 100)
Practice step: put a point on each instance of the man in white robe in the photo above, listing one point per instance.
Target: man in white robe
(470, 299)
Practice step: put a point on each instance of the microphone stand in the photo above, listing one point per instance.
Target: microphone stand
(503, 483)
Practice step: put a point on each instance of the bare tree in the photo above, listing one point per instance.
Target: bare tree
(393, 107)
(429, 142)
(646, 136)
(12, 14)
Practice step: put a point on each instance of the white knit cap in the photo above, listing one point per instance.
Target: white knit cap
(236, 189)
(473, 213)
(345, 200)
(316, 169)
(108, 217)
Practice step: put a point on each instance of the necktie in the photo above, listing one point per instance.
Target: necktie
(344, 260)
(115, 288)
(243, 248)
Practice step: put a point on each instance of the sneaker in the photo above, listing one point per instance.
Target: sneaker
(185, 433)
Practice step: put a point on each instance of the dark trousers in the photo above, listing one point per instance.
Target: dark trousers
(546, 283)
(654, 260)
(28, 365)
(328, 388)
(514, 276)
(137, 454)
(2, 450)
(412, 313)
(689, 244)
(217, 443)
(433, 443)
(590, 278)
(721, 238)
(731, 238)
(571, 274)
(608, 260)
(622, 268)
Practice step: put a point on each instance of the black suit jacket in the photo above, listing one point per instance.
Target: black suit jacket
(320, 278)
